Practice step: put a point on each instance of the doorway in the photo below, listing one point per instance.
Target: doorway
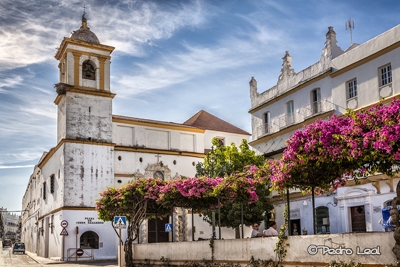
(156, 230)
(295, 227)
(358, 219)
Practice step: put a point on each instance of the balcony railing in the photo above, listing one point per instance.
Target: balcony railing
(300, 115)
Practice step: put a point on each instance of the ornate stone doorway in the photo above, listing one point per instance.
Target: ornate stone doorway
(358, 219)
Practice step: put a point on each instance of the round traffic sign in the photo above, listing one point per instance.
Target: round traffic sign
(79, 252)
(64, 223)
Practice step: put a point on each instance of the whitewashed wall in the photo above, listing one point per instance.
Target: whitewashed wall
(229, 138)
(339, 204)
(300, 249)
(90, 170)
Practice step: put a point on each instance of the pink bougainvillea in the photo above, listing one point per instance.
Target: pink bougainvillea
(328, 152)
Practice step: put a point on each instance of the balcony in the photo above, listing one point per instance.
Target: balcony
(300, 115)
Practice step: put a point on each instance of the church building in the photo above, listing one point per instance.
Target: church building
(96, 149)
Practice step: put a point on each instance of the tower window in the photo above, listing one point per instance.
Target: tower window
(88, 70)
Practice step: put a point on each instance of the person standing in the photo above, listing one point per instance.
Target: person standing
(271, 231)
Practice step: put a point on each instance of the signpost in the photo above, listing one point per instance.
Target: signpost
(120, 223)
(63, 233)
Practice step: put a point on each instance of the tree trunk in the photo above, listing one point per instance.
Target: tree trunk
(128, 247)
(394, 213)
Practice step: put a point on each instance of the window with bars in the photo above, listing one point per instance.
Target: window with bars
(352, 88)
(44, 190)
(52, 184)
(322, 220)
(89, 239)
(385, 75)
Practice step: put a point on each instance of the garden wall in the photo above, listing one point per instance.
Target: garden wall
(371, 249)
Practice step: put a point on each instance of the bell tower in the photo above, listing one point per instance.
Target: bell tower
(84, 122)
(84, 98)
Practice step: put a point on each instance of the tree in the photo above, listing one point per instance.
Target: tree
(326, 153)
(223, 161)
(141, 199)
(137, 200)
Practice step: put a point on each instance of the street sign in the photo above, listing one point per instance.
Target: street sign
(168, 227)
(120, 222)
(64, 223)
(64, 232)
(79, 252)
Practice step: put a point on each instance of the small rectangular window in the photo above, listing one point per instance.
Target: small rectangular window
(315, 101)
(352, 88)
(289, 112)
(221, 141)
(44, 190)
(52, 184)
(267, 122)
(385, 75)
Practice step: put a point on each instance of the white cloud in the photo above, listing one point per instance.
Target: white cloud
(16, 167)
(12, 81)
(197, 61)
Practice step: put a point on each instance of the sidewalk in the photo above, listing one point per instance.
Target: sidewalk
(47, 261)
(42, 260)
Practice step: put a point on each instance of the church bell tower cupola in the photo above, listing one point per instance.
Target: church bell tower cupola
(83, 60)
(84, 97)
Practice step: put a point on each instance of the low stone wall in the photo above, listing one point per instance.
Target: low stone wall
(370, 249)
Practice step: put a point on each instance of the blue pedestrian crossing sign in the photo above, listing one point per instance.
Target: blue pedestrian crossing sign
(120, 222)
(168, 227)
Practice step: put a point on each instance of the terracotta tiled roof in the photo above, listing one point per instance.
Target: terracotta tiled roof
(207, 121)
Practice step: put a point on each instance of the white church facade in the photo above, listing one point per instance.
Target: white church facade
(96, 149)
(355, 78)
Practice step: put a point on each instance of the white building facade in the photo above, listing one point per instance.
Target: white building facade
(96, 149)
(355, 78)
(10, 225)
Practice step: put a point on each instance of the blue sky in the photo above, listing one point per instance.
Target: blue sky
(172, 58)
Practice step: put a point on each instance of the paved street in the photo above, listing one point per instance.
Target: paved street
(7, 259)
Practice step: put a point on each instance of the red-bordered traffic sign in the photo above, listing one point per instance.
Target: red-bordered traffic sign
(64, 232)
(79, 252)
(64, 223)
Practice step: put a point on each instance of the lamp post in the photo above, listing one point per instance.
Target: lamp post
(211, 174)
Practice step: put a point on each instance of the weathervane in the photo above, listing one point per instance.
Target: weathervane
(350, 26)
